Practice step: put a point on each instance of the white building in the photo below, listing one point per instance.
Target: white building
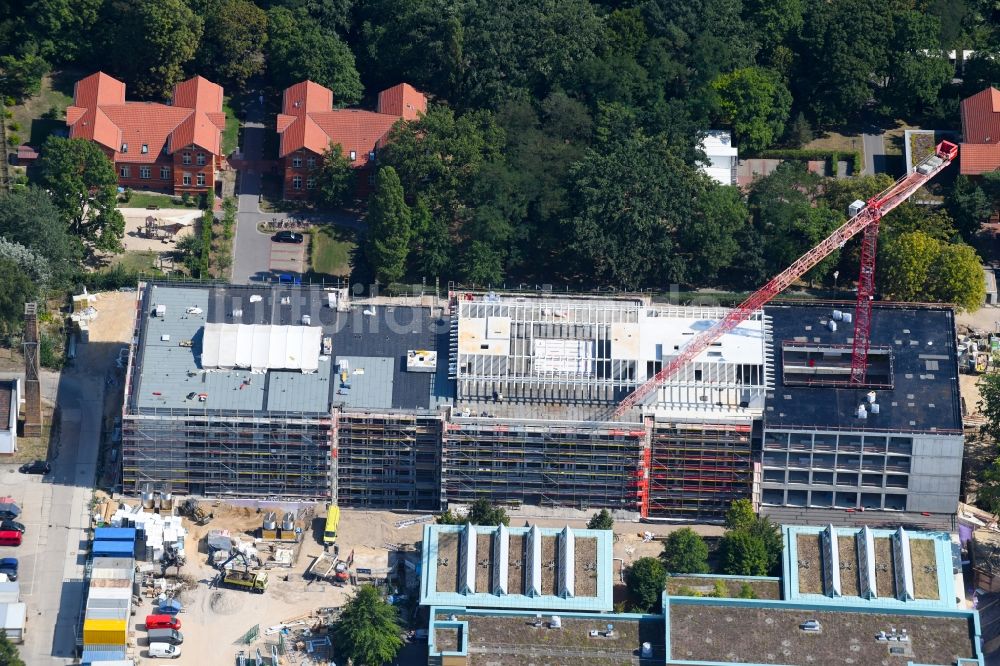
(10, 396)
(722, 156)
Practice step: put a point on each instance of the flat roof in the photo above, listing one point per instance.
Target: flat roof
(167, 372)
(924, 397)
(499, 638)
(728, 631)
(525, 563)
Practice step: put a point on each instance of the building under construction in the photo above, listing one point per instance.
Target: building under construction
(298, 392)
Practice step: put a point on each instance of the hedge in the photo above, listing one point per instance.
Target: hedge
(853, 157)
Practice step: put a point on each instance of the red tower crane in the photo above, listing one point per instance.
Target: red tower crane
(867, 220)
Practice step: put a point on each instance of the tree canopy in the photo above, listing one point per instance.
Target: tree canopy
(84, 186)
(335, 179)
(299, 48)
(232, 47)
(388, 239)
(601, 520)
(646, 579)
(368, 631)
(684, 551)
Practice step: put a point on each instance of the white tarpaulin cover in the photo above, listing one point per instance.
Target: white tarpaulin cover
(261, 348)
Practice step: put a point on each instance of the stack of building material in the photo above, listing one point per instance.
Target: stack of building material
(13, 614)
(163, 534)
(109, 596)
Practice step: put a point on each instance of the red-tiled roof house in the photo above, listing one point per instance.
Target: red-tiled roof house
(308, 125)
(172, 147)
(980, 151)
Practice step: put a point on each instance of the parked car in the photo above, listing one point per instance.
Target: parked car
(164, 651)
(8, 524)
(36, 467)
(8, 567)
(171, 636)
(162, 622)
(288, 237)
(10, 538)
(9, 510)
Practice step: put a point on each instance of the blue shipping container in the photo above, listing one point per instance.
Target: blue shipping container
(113, 548)
(114, 534)
(103, 653)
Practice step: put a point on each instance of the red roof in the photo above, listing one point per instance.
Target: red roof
(100, 113)
(981, 131)
(308, 120)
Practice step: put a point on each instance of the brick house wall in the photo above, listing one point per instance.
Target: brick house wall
(194, 170)
(298, 165)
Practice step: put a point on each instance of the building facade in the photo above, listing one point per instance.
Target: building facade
(174, 148)
(510, 398)
(308, 126)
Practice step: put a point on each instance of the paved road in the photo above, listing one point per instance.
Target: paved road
(874, 147)
(251, 249)
(54, 511)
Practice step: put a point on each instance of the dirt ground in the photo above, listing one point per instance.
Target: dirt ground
(214, 620)
(135, 219)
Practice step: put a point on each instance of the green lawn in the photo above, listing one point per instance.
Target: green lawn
(56, 93)
(330, 251)
(231, 135)
(147, 199)
(139, 262)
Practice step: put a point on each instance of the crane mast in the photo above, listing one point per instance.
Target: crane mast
(867, 220)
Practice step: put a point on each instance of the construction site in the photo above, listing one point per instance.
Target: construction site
(814, 411)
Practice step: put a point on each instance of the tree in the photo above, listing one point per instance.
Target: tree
(988, 488)
(335, 180)
(388, 239)
(232, 48)
(150, 42)
(18, 288)
(368, 631)
(299, 48)
(83, 185)
(431, 251)
(710, 240)
(684, 551)
(756, 102)
(744, 554)
(601, 520)
(483, 513)
(740, 515)
(917, 68)
(59, 28)
(21, 78)
(646, 579)
(916, 267)
(989, 404)
(29, 218)
(969, 205)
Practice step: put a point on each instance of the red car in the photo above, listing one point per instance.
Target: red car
(10, 537)
(162, 622)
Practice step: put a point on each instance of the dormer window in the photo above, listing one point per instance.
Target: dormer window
(124, 147)
(145, 148)
(354, 155)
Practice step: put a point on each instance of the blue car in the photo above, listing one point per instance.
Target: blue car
(8, 566)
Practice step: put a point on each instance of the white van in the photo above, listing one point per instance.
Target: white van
(164, 650)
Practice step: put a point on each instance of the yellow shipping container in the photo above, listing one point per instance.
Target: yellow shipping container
(105, 632)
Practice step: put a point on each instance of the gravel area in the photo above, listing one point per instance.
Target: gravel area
(447, 565)
(848, 550)
(550, 566)
(446, 639)
(585, 572)
(515, 571)
(810, 564)
(484, 562)
(885, 568)
(924, 562)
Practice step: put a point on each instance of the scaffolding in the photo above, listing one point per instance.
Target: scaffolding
(389, 460)
(545, 463)
(222, 453)
(698, 469)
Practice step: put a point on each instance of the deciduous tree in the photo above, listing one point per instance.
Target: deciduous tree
(646, 579)
(744, 554)
(601, 520)
(83, 185)
(21, 77)
(232, 48)
(368, 631)
(299, 48)
(150, 42)
(482, 512)
(18, 288)
(684, 551)
(388, 236)
(756, 102)
(335, 179)
(28, 217)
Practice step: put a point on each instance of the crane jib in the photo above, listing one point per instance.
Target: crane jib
(869, 216)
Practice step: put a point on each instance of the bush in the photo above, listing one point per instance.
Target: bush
(853, 158)
(127, 194)
(744, 554)
(49, 354)
(719, 589)
(685, 591)
(111, 280)
(15, 126)
(186, 198)
(746, 591)
(13, 139)
(9, 101)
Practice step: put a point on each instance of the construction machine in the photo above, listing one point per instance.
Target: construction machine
(197, 514)
(244, 578)
(329, 567)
